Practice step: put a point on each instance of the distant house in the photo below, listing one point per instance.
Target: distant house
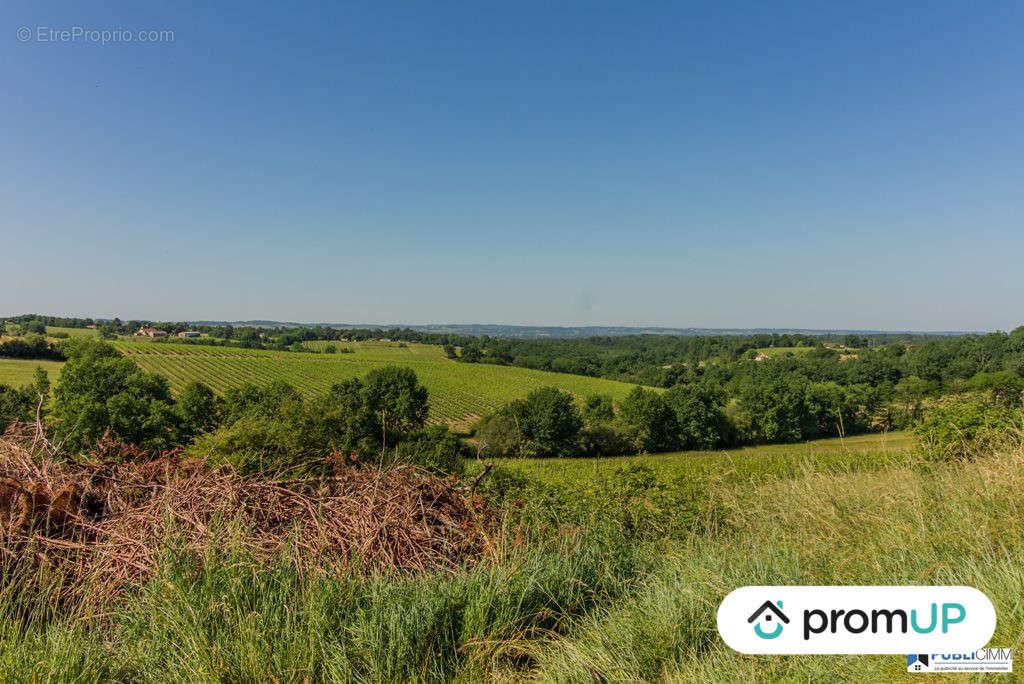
(188, 333)
(91, 326)
(147, 331)
(761, 356)
(384, 339)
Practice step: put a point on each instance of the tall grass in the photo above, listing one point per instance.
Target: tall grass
(589, 603)
(952, 524)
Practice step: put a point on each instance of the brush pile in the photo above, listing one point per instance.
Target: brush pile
(106, 516)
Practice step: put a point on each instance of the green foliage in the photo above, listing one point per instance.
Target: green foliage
(396, 400)
(547, 423)
(275, 429)
(16, 405)
(199, 409)
(435, 448)
(603, 439)
(648, 422)
(33, 327)
(699, 414)
(500, 435)
(598, 408)
(961, 429)
(1006, 387)
(31, 346)
(100, 390)
(776, 407)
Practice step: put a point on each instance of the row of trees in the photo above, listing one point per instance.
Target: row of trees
(377, 418)
(701, 415)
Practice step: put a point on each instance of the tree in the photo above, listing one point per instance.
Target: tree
(16, 405)
(396, 399)
(449, 351)
(699, 414)
(776, 404)
(108, 331)
(551, 422)
(34, 326)
(98, 389)
(199, 409)
(648, 421)
(598, 408)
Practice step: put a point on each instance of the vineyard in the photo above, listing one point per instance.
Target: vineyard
(459, 392)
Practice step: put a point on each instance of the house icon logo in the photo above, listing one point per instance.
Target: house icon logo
(769, 620)
(917, 662)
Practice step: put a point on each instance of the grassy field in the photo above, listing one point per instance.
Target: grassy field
(17, 372)
(459, 393)
(72, 332)
(861, 452)
(573, 603)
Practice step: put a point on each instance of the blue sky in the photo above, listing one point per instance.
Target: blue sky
(818, 164)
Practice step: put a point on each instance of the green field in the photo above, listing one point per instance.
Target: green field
(459, 392)
(861, 452)
(72, 332)
(17, 372)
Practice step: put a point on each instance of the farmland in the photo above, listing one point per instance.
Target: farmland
(861, 452)
(71, 332)
(459, 392)
(17, 372)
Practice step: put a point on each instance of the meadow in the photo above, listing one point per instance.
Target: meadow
(17, 372)
(460, 393)
(71, 332)
(860, 452)
(576, 602)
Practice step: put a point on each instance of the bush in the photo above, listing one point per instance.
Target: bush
(99, 390)
(648, 422)
(435, 449)
(961, 429)
(259, 444)
(546, 423)
(603, 440)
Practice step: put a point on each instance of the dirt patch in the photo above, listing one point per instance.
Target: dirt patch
(107, 519)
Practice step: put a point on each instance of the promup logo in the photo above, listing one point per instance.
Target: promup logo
(767, 612)
(856, 619)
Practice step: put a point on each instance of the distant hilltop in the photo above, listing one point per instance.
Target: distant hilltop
(562, 332)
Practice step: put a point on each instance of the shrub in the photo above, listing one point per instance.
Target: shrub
(99, 390)
(603, 440)
(546, 423)
(648, 422)
(961, 429)
(434, 448)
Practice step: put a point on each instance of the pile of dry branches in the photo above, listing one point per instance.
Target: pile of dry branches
(105, 517)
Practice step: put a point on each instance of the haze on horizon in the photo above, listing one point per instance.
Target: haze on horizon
(793, 165)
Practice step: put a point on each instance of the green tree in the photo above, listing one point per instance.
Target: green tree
(98, 389)
(16, 405)
(648, 421)
(598, 408)
(699, 411)
(776, 404)
(396, 400)
(199, 409)
(551, 422)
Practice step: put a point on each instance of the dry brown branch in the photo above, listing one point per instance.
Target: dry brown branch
(106, 515)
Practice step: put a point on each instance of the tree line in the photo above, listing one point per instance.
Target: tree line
(378, 418)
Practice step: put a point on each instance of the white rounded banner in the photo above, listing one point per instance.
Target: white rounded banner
(856, 619)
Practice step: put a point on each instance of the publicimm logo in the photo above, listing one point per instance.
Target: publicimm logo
(856, 619)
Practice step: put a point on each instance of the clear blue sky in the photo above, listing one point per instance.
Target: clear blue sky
(815, 164)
